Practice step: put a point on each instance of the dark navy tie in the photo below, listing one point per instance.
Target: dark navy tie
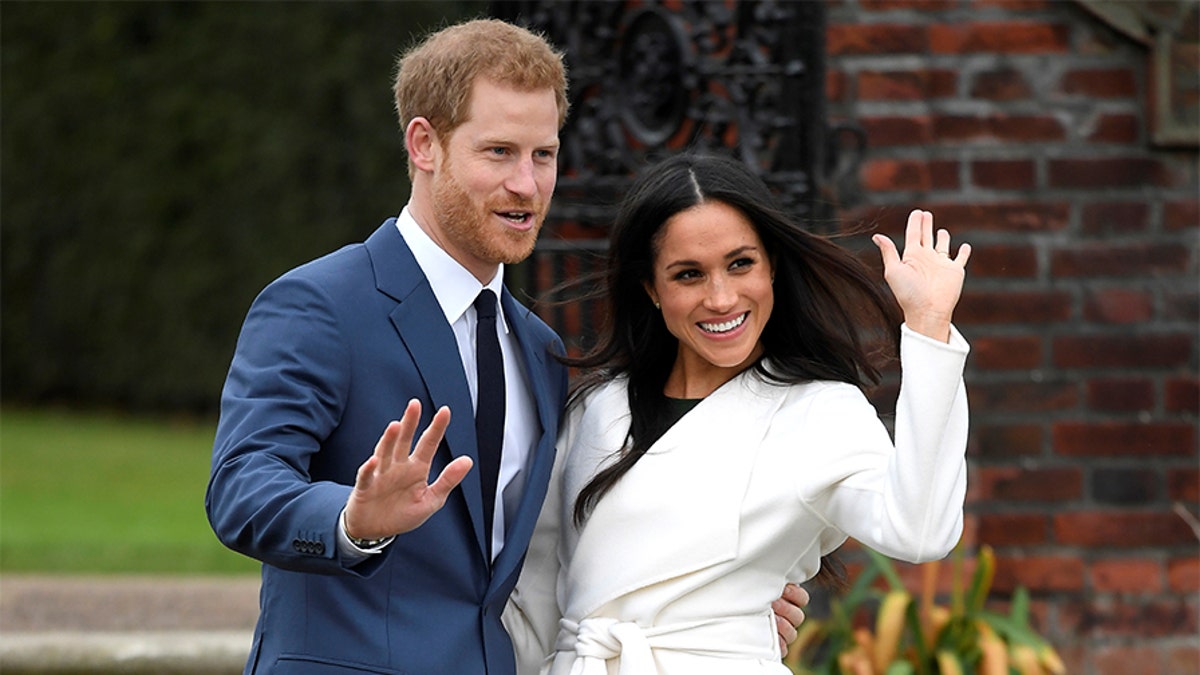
(489, 406)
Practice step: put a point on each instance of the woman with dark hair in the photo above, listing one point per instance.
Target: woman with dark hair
(719, 442)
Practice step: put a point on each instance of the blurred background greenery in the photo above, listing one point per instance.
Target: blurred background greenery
(161, 162)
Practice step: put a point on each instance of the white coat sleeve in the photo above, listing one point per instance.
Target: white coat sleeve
(902, 498)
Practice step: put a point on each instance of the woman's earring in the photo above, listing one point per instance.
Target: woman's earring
(656, 305)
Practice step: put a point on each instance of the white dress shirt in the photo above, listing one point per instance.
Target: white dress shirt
(456, 289)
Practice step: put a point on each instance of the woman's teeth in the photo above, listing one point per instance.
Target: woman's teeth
(724, 326)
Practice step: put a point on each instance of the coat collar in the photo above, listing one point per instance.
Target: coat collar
(694, 477)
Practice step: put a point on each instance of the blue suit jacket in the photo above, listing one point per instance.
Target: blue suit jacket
(329, 354)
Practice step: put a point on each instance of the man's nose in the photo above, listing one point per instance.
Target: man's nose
(521, 181)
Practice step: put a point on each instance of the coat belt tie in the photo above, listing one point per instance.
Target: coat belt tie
(595, 640)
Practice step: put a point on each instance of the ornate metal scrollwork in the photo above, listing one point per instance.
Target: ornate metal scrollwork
(653, 78)
(741, 77)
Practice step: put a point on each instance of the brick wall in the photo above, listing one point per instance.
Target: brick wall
(1023, 126)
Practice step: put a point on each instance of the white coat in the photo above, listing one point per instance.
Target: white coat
(675, 569)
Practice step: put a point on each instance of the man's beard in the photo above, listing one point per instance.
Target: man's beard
(468, 223)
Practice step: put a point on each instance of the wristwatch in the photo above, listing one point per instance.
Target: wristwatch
(365, 544)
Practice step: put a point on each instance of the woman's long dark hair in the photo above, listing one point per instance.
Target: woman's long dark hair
(831, 310)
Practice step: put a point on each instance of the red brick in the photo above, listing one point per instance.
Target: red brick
(896, 131)
(1110, 172)
(1183, 659)
(835, 86)
(1008, 84)
(1123, 439)
(1014, 37)
(1182, 395)
(1015, 307)
(1012, 217)
(1021, 485)
(849, 39)
(1121, 529)
(1126, 660)
(1023, 128)
(884, 175)
(1006, 440)
(1017, 174)
(1183, 574)
(1122, 351)
(1134, 618)
(1181, 215)
(906, 85)
(1120, 394)
(1012, 529)
(1135, 258)
(1024, 396)
(1183, 485)
(1125, 486)
(1016, 352)
(1124, 129)
(1027, 128)
(914, 576)
(1100, 83)
(960, 127)
(1118, 306)
(1106, 217)
(1179, 305)
(1045, 574)
(1127, 576)
(1006, 261)
(970, 536)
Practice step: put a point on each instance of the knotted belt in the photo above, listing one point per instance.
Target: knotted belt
(597, 639)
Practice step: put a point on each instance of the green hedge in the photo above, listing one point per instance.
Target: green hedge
(162, 161)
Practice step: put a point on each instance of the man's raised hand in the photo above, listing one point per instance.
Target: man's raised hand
(391, 494)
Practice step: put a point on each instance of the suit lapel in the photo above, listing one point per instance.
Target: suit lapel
(427, 336)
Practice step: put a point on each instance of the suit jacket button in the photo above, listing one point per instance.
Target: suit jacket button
(319, 549)
(297, 545)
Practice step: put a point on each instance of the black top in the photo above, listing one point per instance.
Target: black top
(678, 407)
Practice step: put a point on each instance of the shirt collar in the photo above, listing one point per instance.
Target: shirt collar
(454, 287)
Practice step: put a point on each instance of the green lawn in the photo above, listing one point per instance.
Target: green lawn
(106, 493)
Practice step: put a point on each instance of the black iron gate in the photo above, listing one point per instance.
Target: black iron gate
(648, 79)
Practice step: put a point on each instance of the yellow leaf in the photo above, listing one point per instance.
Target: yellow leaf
(985, 571)
(809, 632)
(1025, 660)
(889, 626)
(854, 662)
(994, 659)
(1050, 660)
(939, 616)
(948, 664)
(929, 573)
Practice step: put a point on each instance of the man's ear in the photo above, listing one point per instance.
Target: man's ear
(423, 145)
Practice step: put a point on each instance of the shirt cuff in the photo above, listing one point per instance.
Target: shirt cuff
(349, 551)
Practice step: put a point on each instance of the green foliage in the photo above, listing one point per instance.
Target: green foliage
(915, 636)
(165, 160)
(92, 493)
